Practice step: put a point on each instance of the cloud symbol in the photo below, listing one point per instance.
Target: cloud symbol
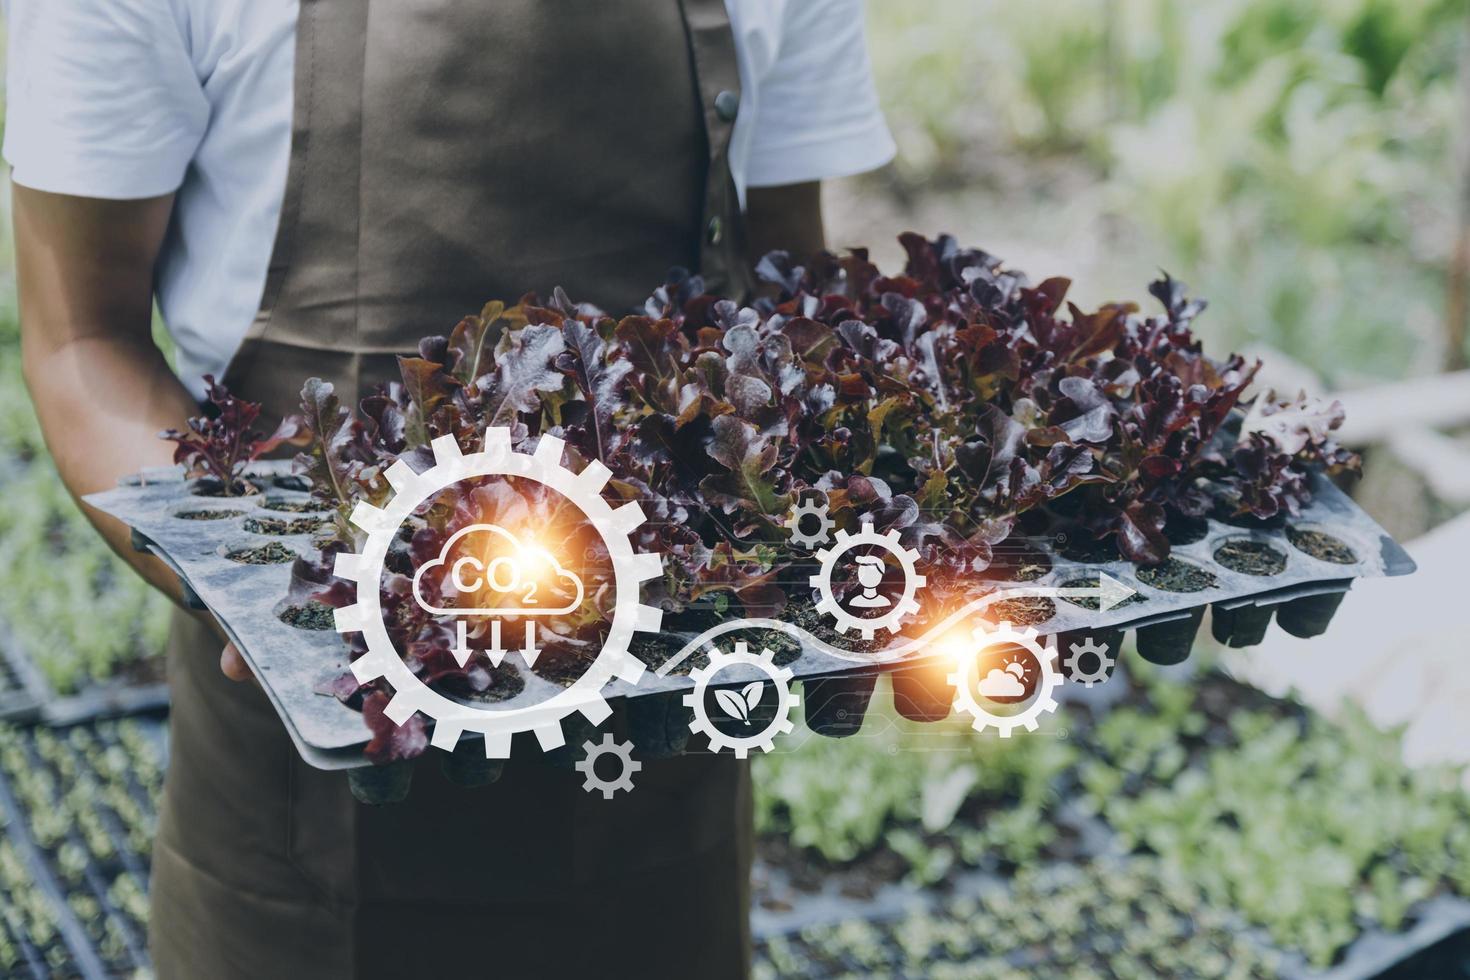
(1002, 684)
(502, 575)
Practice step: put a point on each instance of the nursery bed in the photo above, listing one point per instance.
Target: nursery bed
(20, 685)
(1109, 889)
(25, 694)
(62, 661)
(81, 809)
(1126, 915)
(295, 663)
(1084, 907)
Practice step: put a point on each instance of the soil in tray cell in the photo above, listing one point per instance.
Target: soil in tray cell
(1173, 575)
(1080, 546)
(505, 683)
(1186, 530)
(310, 615)
(1030, 610)
(294, 506)
(214, 488)
(1016, 563)
(207, 514)
(1322, 546)
(1092, 601)
(273, 553)
(1251, 557)
(282, 525)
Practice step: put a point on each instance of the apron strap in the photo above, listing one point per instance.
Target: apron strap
(723, 259)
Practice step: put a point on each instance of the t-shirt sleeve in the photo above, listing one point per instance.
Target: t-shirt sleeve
(101, 97)
(817, 113)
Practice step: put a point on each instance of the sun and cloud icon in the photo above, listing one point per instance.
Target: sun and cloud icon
(491, 571)
(1007, 683)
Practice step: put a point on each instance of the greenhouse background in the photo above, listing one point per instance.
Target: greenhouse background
(1296, 808)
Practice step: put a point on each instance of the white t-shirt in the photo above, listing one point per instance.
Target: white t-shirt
(136, 98)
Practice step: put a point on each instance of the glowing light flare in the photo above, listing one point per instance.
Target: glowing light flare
(959, 648)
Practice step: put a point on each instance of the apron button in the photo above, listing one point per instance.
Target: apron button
(727, 104)
(715, 232)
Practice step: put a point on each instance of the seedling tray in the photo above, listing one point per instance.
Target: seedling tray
(25, 694)
(1282, 577)
(1093, 897)
(834, 935)
(79, 813)
(22, 689)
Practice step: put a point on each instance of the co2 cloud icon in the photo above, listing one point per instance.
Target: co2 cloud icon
(517, 570)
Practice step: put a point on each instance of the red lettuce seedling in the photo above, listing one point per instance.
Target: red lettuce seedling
(220, 443)
(954, 403)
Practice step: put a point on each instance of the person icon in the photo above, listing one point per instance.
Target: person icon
(870, 575)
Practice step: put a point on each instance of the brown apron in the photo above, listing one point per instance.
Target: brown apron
(446, 152)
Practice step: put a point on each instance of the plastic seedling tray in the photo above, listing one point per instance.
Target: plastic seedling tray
(81, 803)
(26, 695)
(797, 918)
(1296, 571)
(804, 918)
(22, 690)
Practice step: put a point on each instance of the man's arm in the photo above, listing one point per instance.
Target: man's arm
(102, 389)
(788, 218)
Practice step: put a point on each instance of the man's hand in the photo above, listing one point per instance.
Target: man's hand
(232, 665)
(102, 390)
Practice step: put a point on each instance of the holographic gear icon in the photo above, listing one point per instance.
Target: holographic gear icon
(614, 525)
(627, 766)
(763, 739)
(1073, 662)
(813, 510)
(1042, 699)
(902, 606)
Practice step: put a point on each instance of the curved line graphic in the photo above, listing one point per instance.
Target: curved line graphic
(889, 654)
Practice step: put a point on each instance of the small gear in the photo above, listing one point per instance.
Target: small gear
(785, 700)
(810, 508)
(903, 606)
(1073, 662)
(1042, 699)
(614, 525)
(628, 766)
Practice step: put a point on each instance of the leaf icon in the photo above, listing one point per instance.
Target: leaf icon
(733, 705)
(752, 695)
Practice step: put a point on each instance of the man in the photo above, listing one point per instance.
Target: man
(307, 192)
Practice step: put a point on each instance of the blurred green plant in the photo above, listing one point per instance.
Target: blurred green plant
(1303, 827)
(1122, 918)
(1291, 159)
(75, 609)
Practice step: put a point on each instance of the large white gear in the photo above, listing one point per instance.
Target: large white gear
(630, 570)
(786, 699)
(813, 509)
(1042, 699)
(627, 766)
(1073, 662)
(903, 606)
